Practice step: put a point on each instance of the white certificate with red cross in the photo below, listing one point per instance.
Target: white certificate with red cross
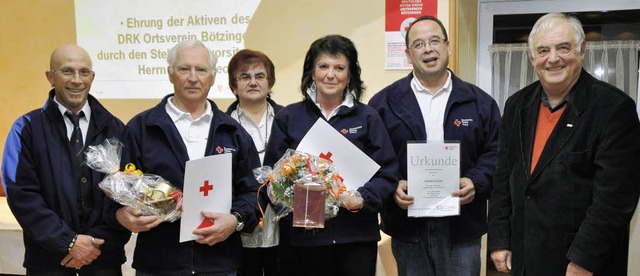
(324, 141)
(207, 186)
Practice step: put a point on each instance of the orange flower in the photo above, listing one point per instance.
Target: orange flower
(342, 189)
(287, 169)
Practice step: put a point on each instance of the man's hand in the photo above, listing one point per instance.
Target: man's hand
(402, 199)
(576, 270)
(502, 260)
(223, 226)
(84, 251)
(467, 191)
(132, 219)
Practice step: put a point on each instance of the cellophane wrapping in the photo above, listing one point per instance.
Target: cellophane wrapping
(317, 182)
(151, 194)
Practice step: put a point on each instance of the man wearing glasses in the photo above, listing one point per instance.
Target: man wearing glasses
(52, 194)
(431, 104)
(185, 126)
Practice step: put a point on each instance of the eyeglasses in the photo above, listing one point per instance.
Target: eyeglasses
(69, 72)
(200, 71)
(433, 42)
(260, 77)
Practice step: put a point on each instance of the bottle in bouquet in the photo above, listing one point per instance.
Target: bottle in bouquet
(309, 204)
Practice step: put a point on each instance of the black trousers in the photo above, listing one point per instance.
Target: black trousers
(232, 273)
(259, 262)
(351, 259)
(111, 271)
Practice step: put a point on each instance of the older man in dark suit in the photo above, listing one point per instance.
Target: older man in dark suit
(568, 171)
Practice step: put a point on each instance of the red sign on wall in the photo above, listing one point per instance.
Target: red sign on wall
(399, 10)
(399, 15)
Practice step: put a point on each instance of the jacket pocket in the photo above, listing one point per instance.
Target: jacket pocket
(580, 162)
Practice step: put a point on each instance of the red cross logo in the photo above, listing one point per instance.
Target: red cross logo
(344, 131)
(219, 149)
(326, 156)
(206, 188)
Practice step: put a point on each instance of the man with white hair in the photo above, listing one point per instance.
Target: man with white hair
(567, 180)
(185, 126)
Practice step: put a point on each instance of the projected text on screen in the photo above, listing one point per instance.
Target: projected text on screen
(129, 41)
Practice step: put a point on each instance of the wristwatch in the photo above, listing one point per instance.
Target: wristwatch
(240, 224)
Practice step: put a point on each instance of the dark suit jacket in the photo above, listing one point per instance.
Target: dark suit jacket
(577, 203)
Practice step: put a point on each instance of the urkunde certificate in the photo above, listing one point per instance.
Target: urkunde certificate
(433, 173)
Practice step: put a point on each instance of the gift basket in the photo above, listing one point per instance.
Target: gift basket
(149, 193)
(306, 185)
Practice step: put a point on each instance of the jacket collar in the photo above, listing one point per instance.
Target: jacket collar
(564, 129)
(100, 116)
(404, 103)
(342, 108)
(233, 106)
(158, 117)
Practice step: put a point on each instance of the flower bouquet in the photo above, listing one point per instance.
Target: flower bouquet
(152, 194)
(309, 186)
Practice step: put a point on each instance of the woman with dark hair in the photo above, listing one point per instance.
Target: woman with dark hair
(331, 87)
(251, 77)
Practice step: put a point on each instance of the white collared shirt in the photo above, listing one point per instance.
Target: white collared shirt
(348, 102)
(432, 107)
(194, 132)
(260, 132)
(84, 121)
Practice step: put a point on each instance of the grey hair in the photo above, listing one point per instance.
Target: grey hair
(171, 57)
(550, 20)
